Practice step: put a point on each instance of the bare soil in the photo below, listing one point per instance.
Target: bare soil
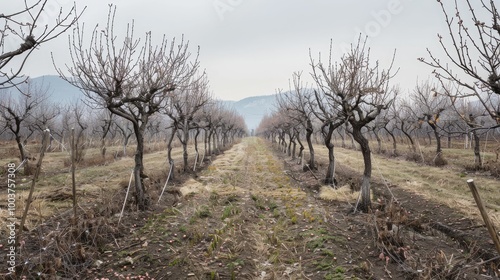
(255, 214)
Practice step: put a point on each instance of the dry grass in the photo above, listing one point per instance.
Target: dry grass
(94, 177)
(446, 185)
(343, 193)
(456, 155)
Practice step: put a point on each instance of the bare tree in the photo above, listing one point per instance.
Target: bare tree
(154, 128)
(270, 126)
(329, 114)
(429, 106)
(472, 60)
(357, 90)
(181, 107)
(126, 130)
(237, 126)
(77, 121)
(130, 81)
(405, 122)
(299, 102)
(17, 111)
(60, 126)
(213, 117)
(389, 124)
(24, 30)
(103, 123)
(44, 117)
(376, 127)
(232, 124)
(473, 115)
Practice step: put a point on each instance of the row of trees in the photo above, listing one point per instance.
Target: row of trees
(352, 92)
(24, 117)
(138, 89)
(353, 96)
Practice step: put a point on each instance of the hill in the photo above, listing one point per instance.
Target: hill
(254, 108)
(59, 90)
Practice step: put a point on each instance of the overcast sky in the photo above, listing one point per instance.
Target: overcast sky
(252, 47)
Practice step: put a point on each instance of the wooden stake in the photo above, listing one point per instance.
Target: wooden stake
(45, 142)
(73, 180)
(195, 161)
(166, 183)
(484, 214)
(126, 195)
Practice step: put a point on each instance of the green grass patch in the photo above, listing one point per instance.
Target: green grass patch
(203, 212)
(229, 211)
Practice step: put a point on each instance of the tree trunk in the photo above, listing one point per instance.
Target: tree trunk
(215, 143)
(330, 172)
(61, 144)
(282, 142)
(477, 150)
(379, 142)
(365, 203)
(184, 145)
(309, 132)
(412, 143)
(169, 152)
(342, 137)
(20, 146)
(353, 146)
(209, 143)
(225, 139)
(430, 137)
(438, 140)
(301, 146)
(196, 140)
(125, 144)
(205, 142)
(23, 155)
(394, 142)
(103, 147)
(139, 168)
(439, 149)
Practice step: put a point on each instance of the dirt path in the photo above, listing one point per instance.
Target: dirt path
(245, 218)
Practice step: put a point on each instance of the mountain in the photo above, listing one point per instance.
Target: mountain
(254, 108)
(251, 108)
(59, 90)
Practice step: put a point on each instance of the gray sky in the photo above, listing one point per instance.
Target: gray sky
(252, 47)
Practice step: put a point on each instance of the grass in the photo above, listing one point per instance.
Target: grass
(229, 211)
(92, 181)
(445, 185)
(343, 193)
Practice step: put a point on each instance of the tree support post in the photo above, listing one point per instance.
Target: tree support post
(45, 142)
(484, 214)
